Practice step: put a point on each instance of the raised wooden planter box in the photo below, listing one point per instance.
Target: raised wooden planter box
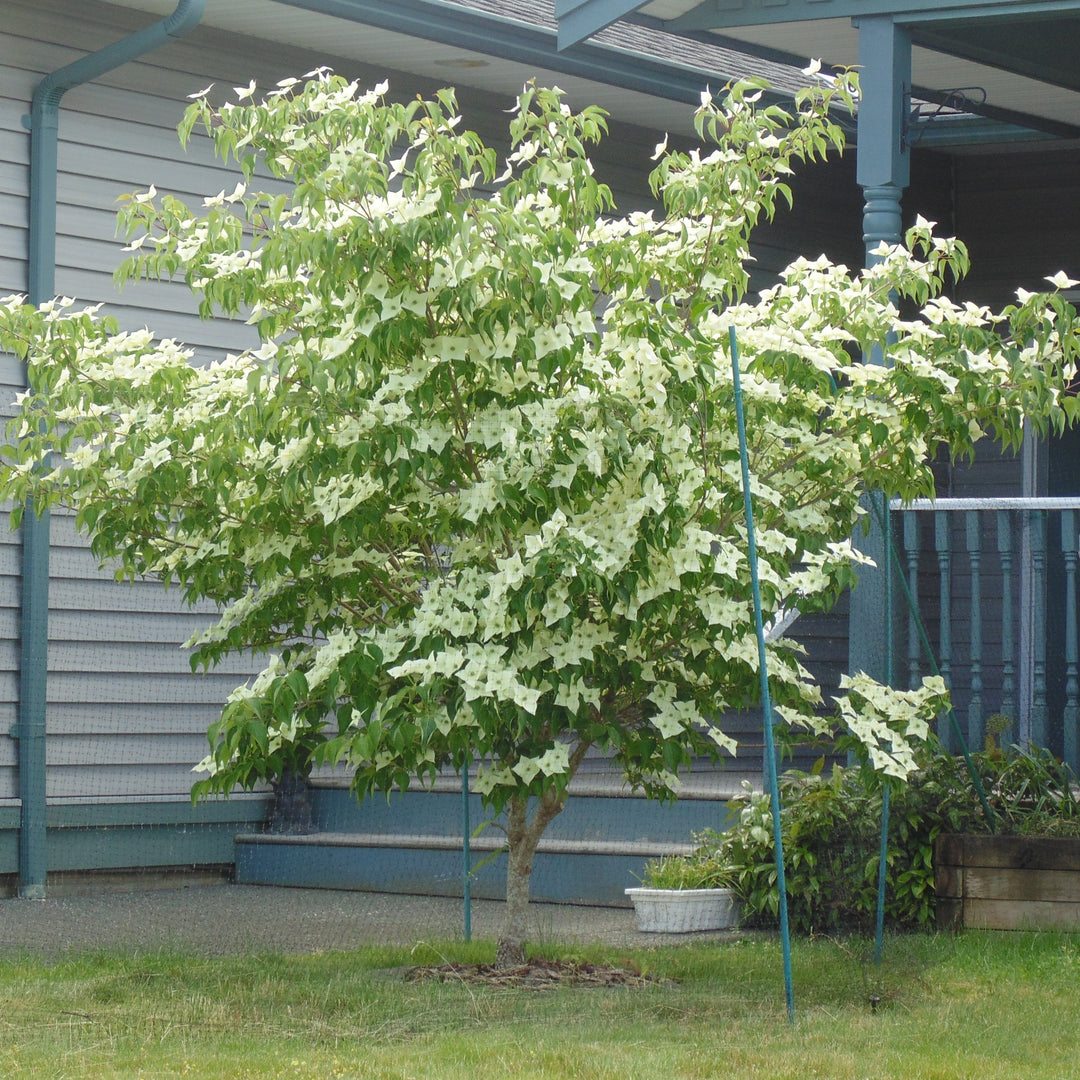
(1007, 882)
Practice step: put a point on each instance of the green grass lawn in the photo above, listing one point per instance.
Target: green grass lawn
(980, 1005)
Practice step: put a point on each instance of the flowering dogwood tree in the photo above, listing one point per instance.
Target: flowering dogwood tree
(476, 495)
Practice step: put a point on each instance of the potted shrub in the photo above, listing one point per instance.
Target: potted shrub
(683, 893)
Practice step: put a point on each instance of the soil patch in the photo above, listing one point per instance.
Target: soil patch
(534, 975)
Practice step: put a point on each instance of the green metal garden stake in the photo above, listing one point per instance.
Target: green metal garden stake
(883, 867)
(766, 701)
(466, 867)
(882, 514)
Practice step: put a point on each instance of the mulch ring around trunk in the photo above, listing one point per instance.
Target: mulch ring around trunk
(534, 975)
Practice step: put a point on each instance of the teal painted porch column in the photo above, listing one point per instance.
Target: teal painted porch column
(882, 171)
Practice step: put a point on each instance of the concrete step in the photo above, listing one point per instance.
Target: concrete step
(599, 808)
(591, 852)
(564, 871)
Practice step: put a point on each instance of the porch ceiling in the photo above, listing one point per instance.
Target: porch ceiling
(1019, 53)
(639, 75)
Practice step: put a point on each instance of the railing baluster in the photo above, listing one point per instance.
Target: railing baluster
(1025, 563)
(911, 550)
(1038, 575)
(941, 545)
(1072, 688)
(1008, 642)
(974, 551)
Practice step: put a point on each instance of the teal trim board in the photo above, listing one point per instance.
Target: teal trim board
(135, 835)
(234, 812)
(314, 863)
(580, 19)
(44, 125)
(135, 847)
(728, 14)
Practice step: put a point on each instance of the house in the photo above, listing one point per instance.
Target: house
(100, 718)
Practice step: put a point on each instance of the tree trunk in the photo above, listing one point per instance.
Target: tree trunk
(522, 836)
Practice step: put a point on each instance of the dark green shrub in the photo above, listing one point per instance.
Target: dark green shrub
(831, 829)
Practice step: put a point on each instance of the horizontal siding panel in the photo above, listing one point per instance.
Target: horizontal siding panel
(80, 718)
(66, 562)
(104, 595)
(210, 341)
(150, 660)
(12, 376)
(118, 781)
(128, 688)
(15, 147)
(12, 275)
(66, 594)
(14, 179)
(134, 751)
(9, 597)
(96, 177)
(121, 627)
(14, 213)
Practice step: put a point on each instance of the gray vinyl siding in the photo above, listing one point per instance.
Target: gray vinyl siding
(126, 718)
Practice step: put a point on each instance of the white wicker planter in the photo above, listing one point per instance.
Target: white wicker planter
(681, 911)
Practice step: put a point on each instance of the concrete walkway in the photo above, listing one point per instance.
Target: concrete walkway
(222, 919)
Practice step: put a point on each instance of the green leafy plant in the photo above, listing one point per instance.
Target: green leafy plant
(706, 867)
(831, 831)
(1031, 792)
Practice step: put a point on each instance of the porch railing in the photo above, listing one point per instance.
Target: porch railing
(994, 581)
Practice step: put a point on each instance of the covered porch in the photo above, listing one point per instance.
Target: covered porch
(992, 568)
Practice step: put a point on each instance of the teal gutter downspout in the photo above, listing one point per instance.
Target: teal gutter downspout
(44, 125)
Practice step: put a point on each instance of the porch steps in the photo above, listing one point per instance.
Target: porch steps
(591, 852)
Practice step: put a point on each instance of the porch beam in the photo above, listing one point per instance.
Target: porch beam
(580, 19)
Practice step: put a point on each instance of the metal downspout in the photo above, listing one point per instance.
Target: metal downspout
(44, 125)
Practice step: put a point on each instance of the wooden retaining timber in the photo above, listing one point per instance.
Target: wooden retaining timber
(1007, 882)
